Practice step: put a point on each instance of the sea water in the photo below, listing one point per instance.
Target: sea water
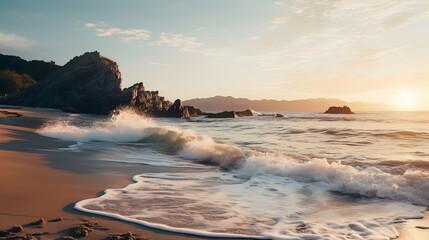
(307, 175)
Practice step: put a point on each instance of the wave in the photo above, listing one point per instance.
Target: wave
(123, 127)
(365, 181)
(353, 118)
(348, 132)
(127, 127)
(403, 134)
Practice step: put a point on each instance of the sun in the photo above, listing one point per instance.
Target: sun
(406, 101)
(406, 98)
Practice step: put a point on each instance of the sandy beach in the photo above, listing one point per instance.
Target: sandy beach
(36, 183)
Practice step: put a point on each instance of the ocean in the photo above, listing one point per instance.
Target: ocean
(307, 175)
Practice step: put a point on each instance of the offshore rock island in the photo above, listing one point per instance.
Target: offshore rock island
(91, 83)
(339, 110)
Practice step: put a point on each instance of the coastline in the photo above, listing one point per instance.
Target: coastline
(37, 183)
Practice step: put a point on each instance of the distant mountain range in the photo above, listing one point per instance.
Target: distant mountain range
(222, 103)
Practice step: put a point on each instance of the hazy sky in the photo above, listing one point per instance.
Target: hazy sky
(373, 51)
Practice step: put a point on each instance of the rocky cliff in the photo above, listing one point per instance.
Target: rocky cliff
(91, 83)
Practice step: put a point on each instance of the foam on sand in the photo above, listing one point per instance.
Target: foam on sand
(219, 204)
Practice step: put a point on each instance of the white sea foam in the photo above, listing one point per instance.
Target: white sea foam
(204, 149)
(123, 127)
(255, 113)
(217, 204)
(411, 186)
(264, 195)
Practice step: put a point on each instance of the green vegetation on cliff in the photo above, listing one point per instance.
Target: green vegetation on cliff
(17, 73)
(12, 82)
(38, 70)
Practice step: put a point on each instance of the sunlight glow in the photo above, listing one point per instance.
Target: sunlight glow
(407, 101)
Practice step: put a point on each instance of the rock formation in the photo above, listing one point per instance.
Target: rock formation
(278, 115)
(245, 113)
(194, 111)
(225, 114)
(339, 110)
(91, 83)
(230, 114)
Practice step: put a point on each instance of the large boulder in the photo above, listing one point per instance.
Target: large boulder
(339, 110)
(175, 110)
(245, 113)
(194, 112)
(230, 114)
(225, 114)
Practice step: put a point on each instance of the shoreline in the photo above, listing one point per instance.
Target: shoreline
(38, 183)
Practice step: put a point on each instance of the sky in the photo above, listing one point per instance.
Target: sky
(370, 51)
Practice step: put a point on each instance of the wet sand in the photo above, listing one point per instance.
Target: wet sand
(414, 229)
(36, 182)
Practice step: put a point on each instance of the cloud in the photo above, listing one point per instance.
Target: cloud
(280, 3)
(276, 21)
(314, 34)
(177, 40)
(126, 35)
(90, 25)
(13, 41)
(190, 44)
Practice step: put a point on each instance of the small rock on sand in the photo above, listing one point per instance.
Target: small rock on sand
(125, 236)
(89, 224)
(80, 231)
(16, 229)
(69, 238)
(56, 220)
(22, 237)
(4, 233)
(39, 222)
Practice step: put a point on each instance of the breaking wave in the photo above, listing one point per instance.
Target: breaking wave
(370, 181)
(127, 127)
(265, 192)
